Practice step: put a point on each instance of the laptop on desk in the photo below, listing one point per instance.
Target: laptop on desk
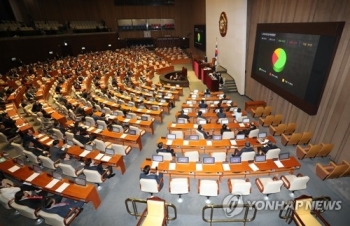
(260, 158)
(80, 181)
(171, 136)
(156, 159)
(144, 118)
(235, 159)
(245, 120)
(261, 137)
(181, 121)
(283, 156)
(19, 161)
(240, 137)
(208, 160)
(88, 147)
(217, 137)
(37, 168)
(109, 151)
(132, 132)
(182, 159)
(194, 137)
(116, 129)
(57, 175)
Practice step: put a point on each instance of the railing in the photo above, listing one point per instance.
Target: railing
(286, 212)
(246, 209)
(136, 213)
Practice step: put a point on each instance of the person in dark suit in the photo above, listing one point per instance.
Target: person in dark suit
(203, 104)
(205, 134)
(224, 128)
(207, 92)
(29, 137)
(166, 150)
(267, 147)
(55, 151)
(200, 115)
(37, 106)
(183, 115)
(8, 122)
(251, 127)
(61, 208)
(90, 165)
(221, 114)
(247, 148)
(146, 174)
(29, 199)
(36, 151)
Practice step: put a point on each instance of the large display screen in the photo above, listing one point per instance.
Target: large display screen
(199, 37)
(294, 60)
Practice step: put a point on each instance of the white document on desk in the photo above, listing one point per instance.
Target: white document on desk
(199, 167)
(195, 126)
(52, 183)
(49, 143)
(32, 177)
(172, 166)
(173, 125)
(98, 131)
(169, 142)
(14, 168)
(43, 139)
(126, 120)
(99, 156)
(186, 142)
(241, 125)
(226, 166)
(233, 142)
(62, 187)
(123, 136)
(90, 129)
(148, 111)
(138, 121)
(106, 158)
(84, 153)
(279, 164)
(209, 143)
(253, 167)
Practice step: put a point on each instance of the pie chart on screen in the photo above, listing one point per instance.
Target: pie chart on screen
(279, 59)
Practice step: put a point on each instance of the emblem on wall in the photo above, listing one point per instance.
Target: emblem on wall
(223, 24)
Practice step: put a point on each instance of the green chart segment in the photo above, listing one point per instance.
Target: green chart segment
(279, 59)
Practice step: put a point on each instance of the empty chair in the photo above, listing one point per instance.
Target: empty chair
(18, 149)
(100, 145)
(149, 118)
(304, 212)
(331, 171)
(267, 111)
(266, 121)
(179, 134)
(228, 135)
(47, 162)
(277, 120)
(193, 156)
(294, 183)
(273, 153)
(120, 149)
(90, 120)
(101, 123)
(31, 157)
(98, 108)
(117, 128)
(68, 170)
(179, 186)
(93, 176)
(308, 152)
(139, 131)
(290, 128)
(166, 156)
(291, 139)
(305, 138)
(248, 156)
(155, 214)
(253, 133)
(107, 110)
(69, 136)
(267, 185)
(277, 131)
(219, 156)
(150, 185)
(58, 134)
(325, 150)
(57, 220)
(200, 135)
(208, 188)
(25, 211)
(239, 186)
(257, 112)
(347, 172)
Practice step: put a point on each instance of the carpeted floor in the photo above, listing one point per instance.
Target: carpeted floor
(112, 210)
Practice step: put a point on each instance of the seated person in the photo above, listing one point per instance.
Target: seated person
(183, 115)
(205, 134)
(29, 199)
(37, 106)
(221, 114)
(9, 132)
(55, 151)
(247, 148)
(238, 115)
(146, 174)
(174, 77)
(207, 92)
(267, 147)
(90, 165)
(82, 137)
(166, 150)
(62, 208)
(200, 115)
(8, 122)
(60, 127)
(203, 104)
(66, 159)
(29, 137)
(251, 127)
(223, 97)
(224, 128)
(35, 150)
(8, 190)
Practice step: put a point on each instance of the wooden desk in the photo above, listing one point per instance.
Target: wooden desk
(86, 193)
(116, 161)
(217, 171)
(21, 123)
(210, 108)
(211, 116)
(177, 88)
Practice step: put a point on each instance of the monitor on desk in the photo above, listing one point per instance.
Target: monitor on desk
(283, 156)
(217, 137)
(183, 159)
(132, 132)
(19, 161)
(37, 168)
(240, 136)
(128, 116)
(109, 151)
(208, 160)
(162, 101)
(189, 102)
(262, 135)
(151, 99)
(115, 113)
(194, 137)
(193, 96)
(88, 147)
(207, 95)
(101, 127)
(186, 111)
(157, 158)
(225, 121)
(144, 118)
(181, 121)
(245, 120)
(70, 142)
(260, 158)
(125, 124)
(171, 136)
(115, 129)
(80, 181)
(235, 159)
(87, 123)
(103, 111)
(154, 108)
(57, 175)
(202, 122)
